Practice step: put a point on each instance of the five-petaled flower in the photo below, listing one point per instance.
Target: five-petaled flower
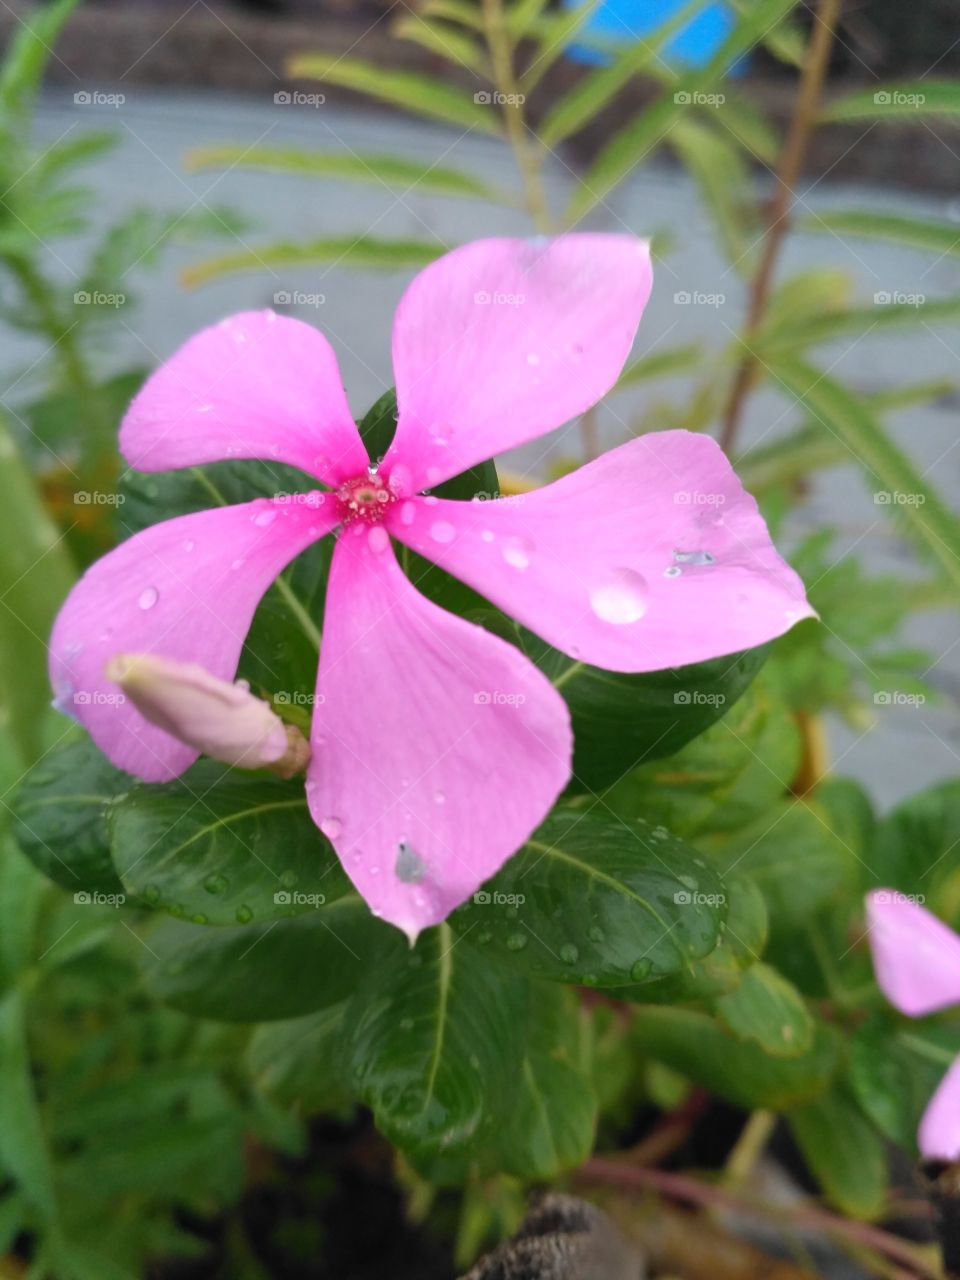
(651, 557)
(916, 958)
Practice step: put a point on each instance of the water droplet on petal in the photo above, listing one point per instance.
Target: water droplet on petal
(673, 572)
(378, 539)
(620, 598)
(408, 513)
(148, 597)
(516, 552)
(439, 798)
(264, 518)
(331, 827)
(410, 867)
(237, 564)
(487, 535)
(189, 544)
(694, 557)
(442, 531)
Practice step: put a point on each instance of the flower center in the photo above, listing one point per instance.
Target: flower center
(365, 498)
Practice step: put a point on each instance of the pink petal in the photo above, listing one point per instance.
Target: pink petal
(185, 589)
(939, 1136)
(437, 747)
(503, 340)
(653, 556)
(916, 957)
(257, 385)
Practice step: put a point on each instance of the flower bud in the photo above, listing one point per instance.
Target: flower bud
(222, 720)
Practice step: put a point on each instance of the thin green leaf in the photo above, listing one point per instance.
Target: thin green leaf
(378, 169)
(934, 526)
(898, 102)
(661, 364)
(449, 43)
(407, 89)
(721, 174)
(362, 252)
(918, 233)
(29, 52)
(886, 313)
(23, 1144)
(462, 11)
(553, 34)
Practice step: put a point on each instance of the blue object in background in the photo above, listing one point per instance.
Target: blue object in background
(622, 21)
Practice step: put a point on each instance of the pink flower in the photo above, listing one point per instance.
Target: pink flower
(916, 958)
(437, 747)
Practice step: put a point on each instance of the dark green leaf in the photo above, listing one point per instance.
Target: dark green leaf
(769, 1010)
(362, 252)
(844, 1152)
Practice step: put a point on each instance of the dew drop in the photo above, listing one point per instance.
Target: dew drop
(148, 598)
(673, 572)
(199, 918)
(289, 879)
(331, 827)
(215, 883)
(410, 867)
(595, 933)
(487, 535)
(690, 882)
(244, 914)
(442, 531)
(189, 545)
(236, 564)
(151, 894)
(516, 941)
(695, 557)
(378, 539)
(641, 969)
(620, 598)
(516, 552)
(265, 518)
(408, 513)
(569, 954)
(439, 798)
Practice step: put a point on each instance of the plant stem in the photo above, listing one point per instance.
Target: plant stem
(501, 49)
(749, 1147)
(789, 170)
(677, 1186)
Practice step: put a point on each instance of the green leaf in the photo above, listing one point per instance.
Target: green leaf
(728, 776)
(620, 721)
(23, 1144)
(552, 33)
(550, 1122)
(466, 13)
(895, 1069)
(721, 175)
(897, 102)
(698, 1047)
(768, 1010)
(29, 51)
(265, 972)
(861, 321)
(844, 1152)
(430, 1033)
(60, 816)
(300, 1062)
(361, 252)
(914, 849)
(934, 527)
(660, 364)
(597, 902)
(407, 89)
(223, 848)
(139, 238)
(919, 233)
(379, 169)
(35, 576)
(455, 46)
